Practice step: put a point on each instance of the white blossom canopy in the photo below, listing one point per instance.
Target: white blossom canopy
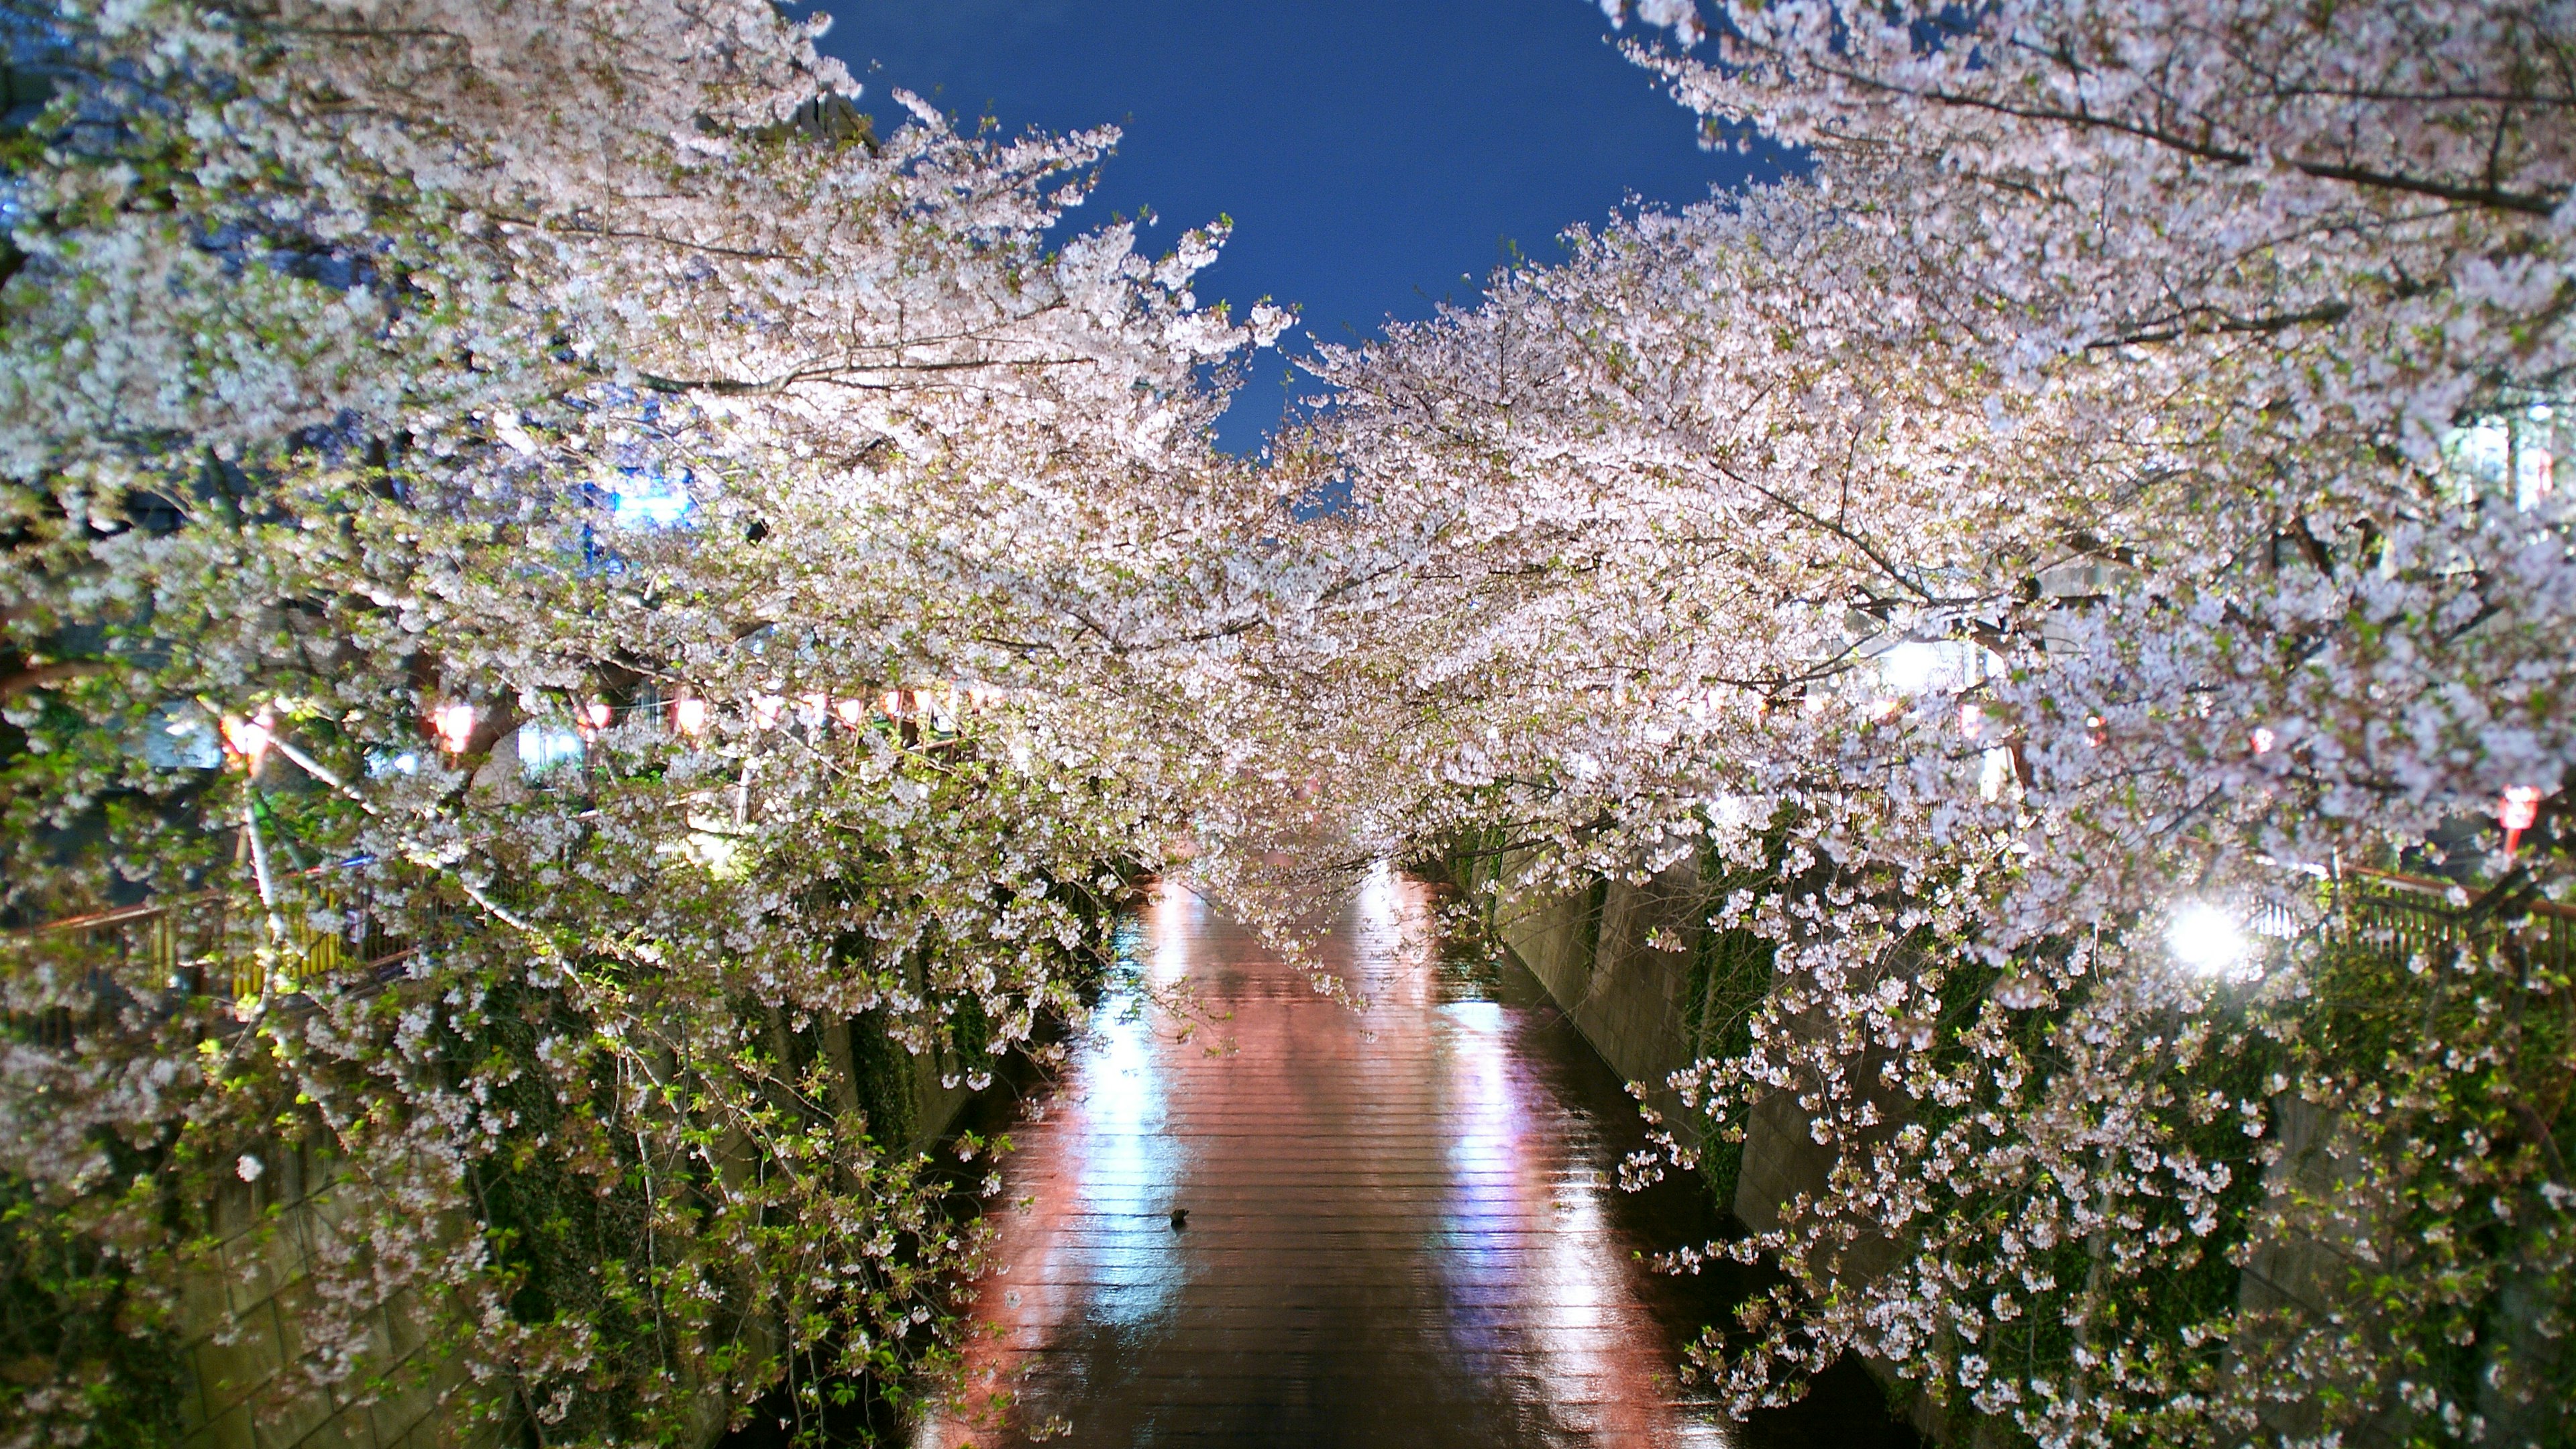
(2113, 481)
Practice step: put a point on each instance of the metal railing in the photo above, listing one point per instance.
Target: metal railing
(2409, 916)
(228, 944)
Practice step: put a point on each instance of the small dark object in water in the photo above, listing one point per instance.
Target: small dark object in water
(1180, 1219)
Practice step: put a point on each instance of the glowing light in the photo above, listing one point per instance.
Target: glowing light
(2264, 740)
(454, 726)
(2517, 812)
(2520, 808)
(1996, 773)
(690, 716)
(247, 740)
(547, 747)
(2535, 477)
(851, 712)
(653, 502)
(813, 709)
(1908, 668)
(594, 718)
(768, 709)
(1883, 710)
(2207, 940)
(1972, 720)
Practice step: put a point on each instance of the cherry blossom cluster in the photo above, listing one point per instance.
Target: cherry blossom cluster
(2052, 545)
(672, 585)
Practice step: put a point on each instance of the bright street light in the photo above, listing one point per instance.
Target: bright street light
(1908, 668)
(2207, 940)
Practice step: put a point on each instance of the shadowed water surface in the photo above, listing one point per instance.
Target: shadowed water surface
(1404, 1225)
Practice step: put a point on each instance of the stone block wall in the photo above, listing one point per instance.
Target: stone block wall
(242, 1328)
(1618, 960)
(243, 1332)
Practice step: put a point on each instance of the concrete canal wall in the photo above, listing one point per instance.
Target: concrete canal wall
(240, 1331)
(1617, 958)
(1631, 964)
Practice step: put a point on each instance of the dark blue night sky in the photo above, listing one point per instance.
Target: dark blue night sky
(1376, 155)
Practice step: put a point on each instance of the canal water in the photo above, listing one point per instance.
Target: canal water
(1404, 1224)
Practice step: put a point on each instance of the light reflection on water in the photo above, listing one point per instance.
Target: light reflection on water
(1474, 1252)
(1399, 1233)
(1128, 1166)
(1528, 1235)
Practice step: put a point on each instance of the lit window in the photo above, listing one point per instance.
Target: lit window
(1995, 774)
(544, 748)
(649, 500)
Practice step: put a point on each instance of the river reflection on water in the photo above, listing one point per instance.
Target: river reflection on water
(1404, 1225)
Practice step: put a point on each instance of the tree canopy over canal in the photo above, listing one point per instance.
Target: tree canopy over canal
(582, 626)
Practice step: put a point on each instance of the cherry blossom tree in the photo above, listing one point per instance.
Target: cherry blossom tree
(2110, 489)
(395, 390)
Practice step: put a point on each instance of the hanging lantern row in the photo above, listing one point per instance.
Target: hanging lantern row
(246, 740)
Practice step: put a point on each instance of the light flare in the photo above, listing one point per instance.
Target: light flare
(454, 726)
(2209, 942)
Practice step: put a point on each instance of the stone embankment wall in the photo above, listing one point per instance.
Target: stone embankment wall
(1628, 962)
(243, 1330)
(1631, 964)
(1607, 957)
(240, 1334)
